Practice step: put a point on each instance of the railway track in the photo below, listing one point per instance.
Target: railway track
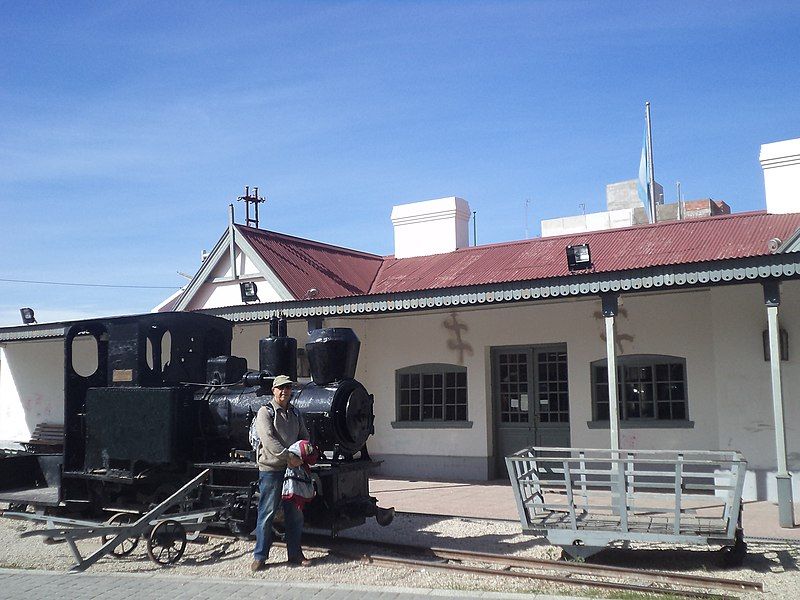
(597, 576)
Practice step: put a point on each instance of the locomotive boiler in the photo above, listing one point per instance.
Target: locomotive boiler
(168, 400)
(337, 409)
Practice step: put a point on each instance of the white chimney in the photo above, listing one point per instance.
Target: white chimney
(781, 164)
(430, 227)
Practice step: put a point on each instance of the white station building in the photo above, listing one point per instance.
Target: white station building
(475, 352)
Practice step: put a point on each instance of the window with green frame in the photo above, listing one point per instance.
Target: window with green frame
(431, 392)
(650, 387)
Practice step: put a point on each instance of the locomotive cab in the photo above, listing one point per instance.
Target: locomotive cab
(130, 426)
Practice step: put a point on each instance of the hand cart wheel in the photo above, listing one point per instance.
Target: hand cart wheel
(127, 545)
(167, 543)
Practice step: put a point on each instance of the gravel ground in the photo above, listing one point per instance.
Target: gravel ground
(775, 564)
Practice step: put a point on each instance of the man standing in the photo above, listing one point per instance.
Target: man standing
(278, 427)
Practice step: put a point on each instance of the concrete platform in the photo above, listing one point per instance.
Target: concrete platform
(494, 500)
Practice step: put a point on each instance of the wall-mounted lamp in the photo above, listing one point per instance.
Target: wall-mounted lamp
(579, 257)
(783, 343)
(28, 318)
(249, 291)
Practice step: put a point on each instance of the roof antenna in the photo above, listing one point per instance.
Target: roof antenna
(474, 228)
(255, 201)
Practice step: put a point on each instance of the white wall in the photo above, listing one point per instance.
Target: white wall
(781, 164)
(717, 330)
(430, 227)
(610, 219)
(746, 421)
(675, 324)
(32, 384)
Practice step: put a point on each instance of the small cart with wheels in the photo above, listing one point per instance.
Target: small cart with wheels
(166, 534)
(584, 499)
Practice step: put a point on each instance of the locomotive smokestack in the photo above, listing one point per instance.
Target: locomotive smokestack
(282, 327)
(273, 327)
(332, 354)
(277, 354)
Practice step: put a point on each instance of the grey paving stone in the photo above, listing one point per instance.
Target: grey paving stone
(45, 585)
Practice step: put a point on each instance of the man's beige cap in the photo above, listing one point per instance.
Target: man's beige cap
(282, 380)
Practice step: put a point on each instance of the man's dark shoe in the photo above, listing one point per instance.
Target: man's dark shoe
(257, 565)
(299, 561)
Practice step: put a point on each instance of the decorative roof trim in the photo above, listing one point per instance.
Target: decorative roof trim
(745, 270)
(219, 252)
(44, 331)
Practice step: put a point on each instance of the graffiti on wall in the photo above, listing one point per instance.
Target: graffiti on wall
(456, 342)
(621, 337)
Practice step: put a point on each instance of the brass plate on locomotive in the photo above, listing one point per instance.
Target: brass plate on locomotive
(122, 375)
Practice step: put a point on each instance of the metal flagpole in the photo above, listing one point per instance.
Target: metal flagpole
(651, 192)
(527, 201)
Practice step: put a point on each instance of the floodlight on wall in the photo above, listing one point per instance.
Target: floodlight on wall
(28, 318)
(579, 257)
(783, 344)
(249, 291)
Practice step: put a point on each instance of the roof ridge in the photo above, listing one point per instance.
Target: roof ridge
(309, 242)
(754, 213)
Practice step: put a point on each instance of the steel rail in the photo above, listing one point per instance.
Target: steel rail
(419, 564)
(749, 539)
(325, 544)
(703, 581)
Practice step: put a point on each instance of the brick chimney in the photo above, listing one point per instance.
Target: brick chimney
(430, 227)
(781, 164)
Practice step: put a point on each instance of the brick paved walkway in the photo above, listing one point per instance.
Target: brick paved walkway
(46, 585)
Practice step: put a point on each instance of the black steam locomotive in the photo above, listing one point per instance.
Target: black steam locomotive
(167, 400)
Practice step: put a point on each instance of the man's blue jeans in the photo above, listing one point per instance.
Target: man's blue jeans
(270, 485)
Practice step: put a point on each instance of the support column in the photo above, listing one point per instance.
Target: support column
(772, 299)
(610, 308)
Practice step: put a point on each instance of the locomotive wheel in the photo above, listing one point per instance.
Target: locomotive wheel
(167, 543)
(127, 545)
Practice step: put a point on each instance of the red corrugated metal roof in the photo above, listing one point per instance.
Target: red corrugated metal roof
(670, 243)
(334, 271)
(304, 264)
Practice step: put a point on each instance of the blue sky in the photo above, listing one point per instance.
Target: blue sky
(126, 128)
